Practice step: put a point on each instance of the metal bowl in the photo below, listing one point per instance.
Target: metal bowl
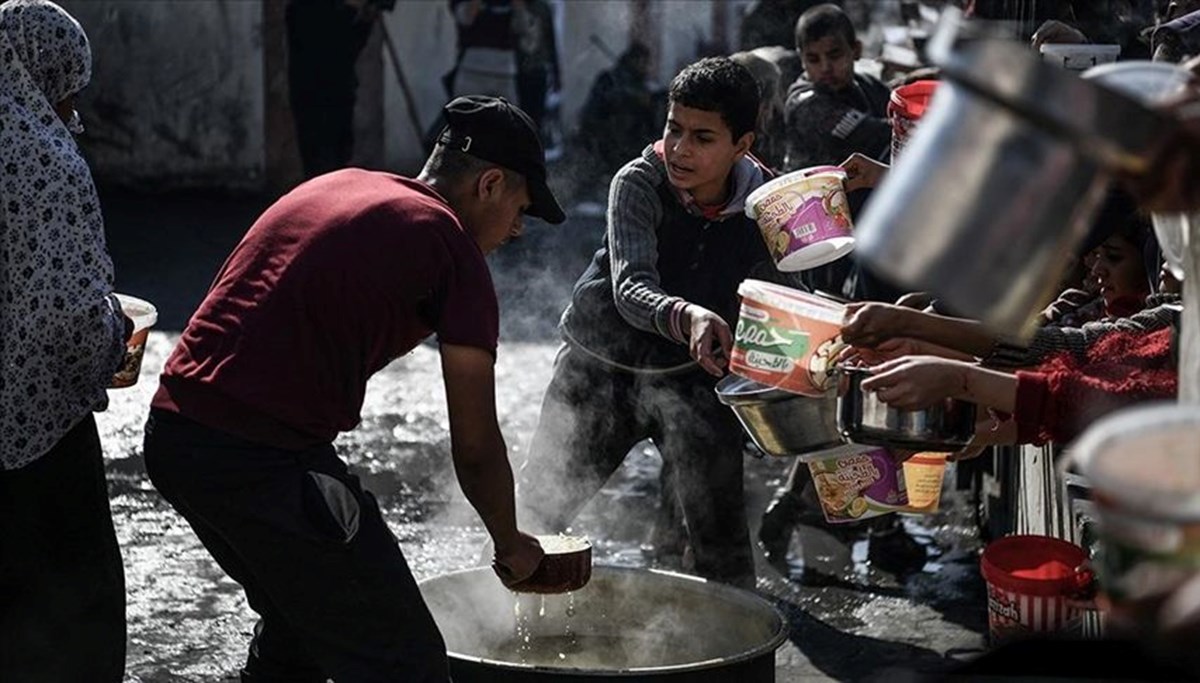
(863, 418)
(779, 422)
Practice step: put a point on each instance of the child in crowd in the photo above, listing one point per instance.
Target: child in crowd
(833, 111)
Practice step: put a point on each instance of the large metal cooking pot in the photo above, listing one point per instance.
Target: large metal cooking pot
(781, 423)
(864, 419)
(633, 625)
(1002, 179)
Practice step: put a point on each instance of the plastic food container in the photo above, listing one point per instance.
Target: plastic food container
(1144, 472)
(924, 474)
(804, 217)
(144, 316)
(854, 483)
(786, 338)
(905, 108)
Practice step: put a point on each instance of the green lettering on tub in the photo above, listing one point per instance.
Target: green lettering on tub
(772, 340)
(769, 362)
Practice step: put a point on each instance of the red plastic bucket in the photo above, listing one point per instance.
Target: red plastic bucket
(906, 106)
(1035, 584)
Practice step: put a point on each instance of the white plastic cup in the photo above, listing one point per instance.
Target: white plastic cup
(144, 316)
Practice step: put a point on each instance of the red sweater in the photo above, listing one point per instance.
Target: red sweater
(1065, 395)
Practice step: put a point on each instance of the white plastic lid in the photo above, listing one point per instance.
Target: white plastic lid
(816, 255)
(142, 312)
(793, 301)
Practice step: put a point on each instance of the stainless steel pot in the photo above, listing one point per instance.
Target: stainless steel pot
(779, 422)
(1001, 179)
(630, 625)
(864, 419)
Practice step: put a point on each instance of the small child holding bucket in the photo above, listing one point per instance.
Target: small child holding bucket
(647, 332)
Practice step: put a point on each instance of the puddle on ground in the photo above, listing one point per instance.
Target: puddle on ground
(189, 622)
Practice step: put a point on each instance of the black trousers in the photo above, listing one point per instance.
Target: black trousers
(318, 563)
(62, 583)
(324, 41)
(593, 415)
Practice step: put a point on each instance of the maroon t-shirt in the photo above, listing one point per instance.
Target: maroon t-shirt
(340, 276)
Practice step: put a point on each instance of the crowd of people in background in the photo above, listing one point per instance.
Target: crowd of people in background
(240, 435)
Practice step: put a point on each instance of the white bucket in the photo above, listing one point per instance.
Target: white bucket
(804, 217)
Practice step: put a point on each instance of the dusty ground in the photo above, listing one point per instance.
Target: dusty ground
(188, 622)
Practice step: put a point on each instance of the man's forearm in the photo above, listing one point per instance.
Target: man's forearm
(989, 388)
(487, 481)
(967, 336)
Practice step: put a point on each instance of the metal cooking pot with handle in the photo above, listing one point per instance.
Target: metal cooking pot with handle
(864, 419)
(1002, 179)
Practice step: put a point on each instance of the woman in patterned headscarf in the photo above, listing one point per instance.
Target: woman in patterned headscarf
(62, 336)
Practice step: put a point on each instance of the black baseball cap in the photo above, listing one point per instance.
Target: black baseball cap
(495, 130)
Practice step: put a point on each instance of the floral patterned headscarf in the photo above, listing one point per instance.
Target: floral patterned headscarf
(61, 334)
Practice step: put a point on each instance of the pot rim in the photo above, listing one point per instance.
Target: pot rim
(757, 393)
(737, 594)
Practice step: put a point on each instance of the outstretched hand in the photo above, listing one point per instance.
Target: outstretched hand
(884, 352)
(709, 339)
(917, 382)
(1055, 31)
(862, 172)
(871, 324)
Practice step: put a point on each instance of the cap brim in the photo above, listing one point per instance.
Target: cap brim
(543, 205)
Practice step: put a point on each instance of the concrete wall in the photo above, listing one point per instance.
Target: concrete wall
(181, 97)
(423, 32)
(176, 97)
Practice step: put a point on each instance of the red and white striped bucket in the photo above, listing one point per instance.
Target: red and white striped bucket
(1034, 584)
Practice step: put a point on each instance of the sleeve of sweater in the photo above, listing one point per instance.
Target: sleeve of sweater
(1163, 311)
(1059, 403)
(634, 212)
(1048, 341)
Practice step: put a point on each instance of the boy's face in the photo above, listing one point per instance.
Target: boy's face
(829, 61)
(699, 151)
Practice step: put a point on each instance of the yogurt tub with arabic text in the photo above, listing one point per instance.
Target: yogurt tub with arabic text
(786, 338)
(856, 483)
(804, 217)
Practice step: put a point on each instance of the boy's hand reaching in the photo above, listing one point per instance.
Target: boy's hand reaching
(862, 172)
(709, 339)
(871, 324)
(917, 382)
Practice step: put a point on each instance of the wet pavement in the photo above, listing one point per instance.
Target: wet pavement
(849, 619)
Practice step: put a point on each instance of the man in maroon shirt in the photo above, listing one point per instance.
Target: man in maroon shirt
(340, 276)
